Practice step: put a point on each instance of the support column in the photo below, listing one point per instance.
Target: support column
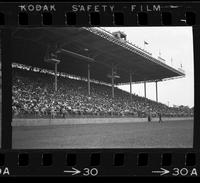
(56, 77)
(113, 95)
(131, 86)
(145, 92)
(89, 79)
(156, 91)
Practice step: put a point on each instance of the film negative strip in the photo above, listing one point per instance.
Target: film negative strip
(100, 89)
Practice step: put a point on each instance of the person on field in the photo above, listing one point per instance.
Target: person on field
(149, 117)
(160, 117)
(53, 113)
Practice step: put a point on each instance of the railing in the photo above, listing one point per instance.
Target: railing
(109, 36)
(61, 74)
(36, 116)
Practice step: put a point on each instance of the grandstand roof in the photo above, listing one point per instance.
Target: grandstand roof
(29, 46)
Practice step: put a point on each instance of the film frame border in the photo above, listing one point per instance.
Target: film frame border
(112, 162)
(82, 14)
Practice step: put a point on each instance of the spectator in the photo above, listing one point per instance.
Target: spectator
(33, 95)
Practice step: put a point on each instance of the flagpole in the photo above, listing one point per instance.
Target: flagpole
(171, 61)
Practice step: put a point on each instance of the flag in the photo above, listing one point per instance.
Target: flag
(145, 42)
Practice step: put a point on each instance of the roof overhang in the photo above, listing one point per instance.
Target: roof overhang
(29, 45)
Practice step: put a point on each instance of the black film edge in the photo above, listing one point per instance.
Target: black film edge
(100, 89)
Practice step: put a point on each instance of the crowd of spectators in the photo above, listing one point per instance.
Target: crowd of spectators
(34, 96)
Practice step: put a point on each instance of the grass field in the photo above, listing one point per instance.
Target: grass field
(169, 134)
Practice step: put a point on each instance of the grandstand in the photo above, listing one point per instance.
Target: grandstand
(91, 54)
(65, 73)
(34, 97)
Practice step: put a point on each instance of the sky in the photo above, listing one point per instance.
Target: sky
(175, 45)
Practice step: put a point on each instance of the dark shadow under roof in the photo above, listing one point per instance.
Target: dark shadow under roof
(29, 47)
